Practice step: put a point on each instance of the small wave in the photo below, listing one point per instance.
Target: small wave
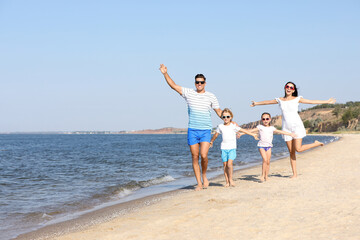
(124, 192)
(130, 187)
(156, 181)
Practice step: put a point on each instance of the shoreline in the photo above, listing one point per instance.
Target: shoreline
(105, 214)
(117, 210)
(322, 203)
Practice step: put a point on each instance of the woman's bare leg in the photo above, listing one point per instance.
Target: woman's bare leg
(300, 148)
(291, 146)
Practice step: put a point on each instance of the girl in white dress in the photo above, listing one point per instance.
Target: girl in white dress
(266, 134)
(292, 122)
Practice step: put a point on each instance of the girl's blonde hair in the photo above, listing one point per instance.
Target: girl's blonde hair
(226, 110)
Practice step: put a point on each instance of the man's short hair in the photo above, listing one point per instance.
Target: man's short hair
(200, 76)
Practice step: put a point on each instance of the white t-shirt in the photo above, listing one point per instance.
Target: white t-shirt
(228, 135)
(266, 136)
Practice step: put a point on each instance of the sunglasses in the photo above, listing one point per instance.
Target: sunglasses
(267, 119)
(289, 87)
(199, 82)
(226, 117)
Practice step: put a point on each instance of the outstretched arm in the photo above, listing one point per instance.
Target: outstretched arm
(213, 139)
(268, 102)
(285, 133)
(168, 79)
(254, 130)
(307, 101)
(249, 133)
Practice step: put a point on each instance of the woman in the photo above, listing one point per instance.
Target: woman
(291, 121)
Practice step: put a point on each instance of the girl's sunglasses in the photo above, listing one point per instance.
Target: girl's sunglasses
(226, 117)
(267, 119)
(199, 82)
(289, 87)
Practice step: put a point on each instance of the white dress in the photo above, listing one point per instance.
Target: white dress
(291, 121)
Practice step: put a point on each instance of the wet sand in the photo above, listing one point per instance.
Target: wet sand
(322, 203)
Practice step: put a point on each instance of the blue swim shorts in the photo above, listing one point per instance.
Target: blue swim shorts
(196, 136)
(227, 154)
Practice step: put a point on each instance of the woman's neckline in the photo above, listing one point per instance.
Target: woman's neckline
(288, 100)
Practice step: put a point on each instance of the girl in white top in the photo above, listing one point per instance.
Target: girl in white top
(292, 122)
(266, 134)
(228, 145)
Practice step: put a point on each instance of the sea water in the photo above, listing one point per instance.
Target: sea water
(47, 177)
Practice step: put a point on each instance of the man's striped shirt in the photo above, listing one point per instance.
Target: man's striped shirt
(199, 108)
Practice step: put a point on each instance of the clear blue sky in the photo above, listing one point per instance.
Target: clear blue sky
(93, 65)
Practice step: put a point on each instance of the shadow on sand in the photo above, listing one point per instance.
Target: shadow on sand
(253, 178)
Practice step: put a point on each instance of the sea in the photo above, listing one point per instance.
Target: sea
(49, 178)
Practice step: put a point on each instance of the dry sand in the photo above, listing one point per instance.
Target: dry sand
(322, 203)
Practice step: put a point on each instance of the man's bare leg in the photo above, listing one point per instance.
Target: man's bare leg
(195, 163)
(204, 150)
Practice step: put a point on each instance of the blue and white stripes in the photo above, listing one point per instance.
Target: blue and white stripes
(199, 108)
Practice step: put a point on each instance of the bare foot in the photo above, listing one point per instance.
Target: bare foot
(294, 176)
(232, 184)
(227, 185)
(206, 182)
(262, 179)
(198, 187)
(266, 178)
(319, 143)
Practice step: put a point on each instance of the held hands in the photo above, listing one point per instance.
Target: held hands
(163, 69)
(293, 135)
(239, 134)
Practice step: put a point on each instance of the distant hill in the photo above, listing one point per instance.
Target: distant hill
(319, 119)
(324, 118)
(167, 130)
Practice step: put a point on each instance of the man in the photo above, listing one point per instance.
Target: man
(199, 104)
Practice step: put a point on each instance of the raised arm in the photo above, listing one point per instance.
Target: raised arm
(307, 101)
(268, 102)
(168, 79)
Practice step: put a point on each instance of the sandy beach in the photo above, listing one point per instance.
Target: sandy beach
(322, 203)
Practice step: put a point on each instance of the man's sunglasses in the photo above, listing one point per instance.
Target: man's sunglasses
(199, 82)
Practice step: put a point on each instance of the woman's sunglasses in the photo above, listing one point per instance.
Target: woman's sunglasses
(289, 87)
(199, 82)
(226, 117)
(267, 119)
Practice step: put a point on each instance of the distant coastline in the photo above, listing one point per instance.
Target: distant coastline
(166, 130)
